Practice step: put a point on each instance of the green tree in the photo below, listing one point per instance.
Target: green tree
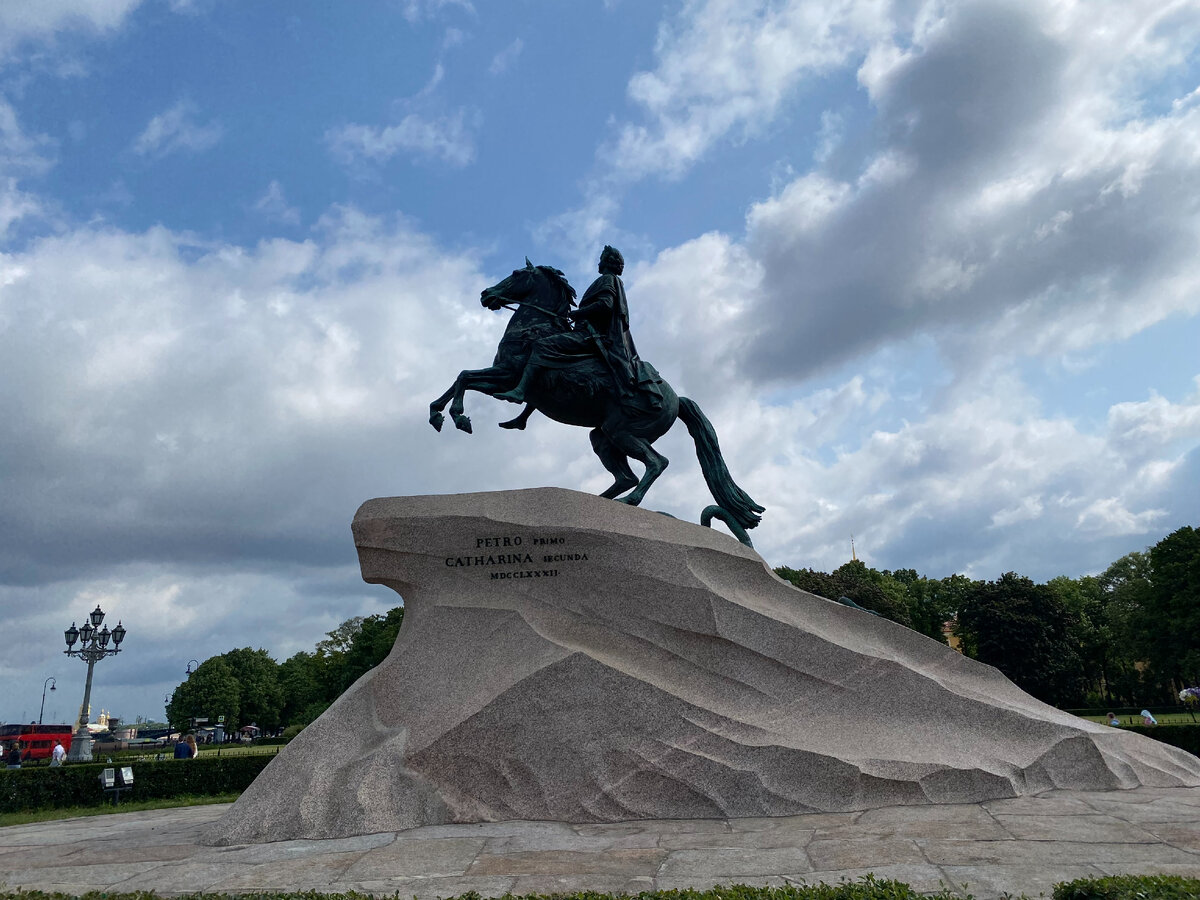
(371, 644)
(311, 681)
(1128, 587)
(1173, 607)
(892, 597)
(259, 692)
(1023, 630)
(930, 604)
(302, 680)
(1090, 632)
(341, 638)
(211, 691)
(848, 582)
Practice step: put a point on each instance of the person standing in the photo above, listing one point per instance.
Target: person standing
(13, 760)
(193, 750)
(58, 754)
(182, 750)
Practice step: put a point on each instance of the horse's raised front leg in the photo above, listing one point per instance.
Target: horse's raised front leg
(435, 408)
(487, 381)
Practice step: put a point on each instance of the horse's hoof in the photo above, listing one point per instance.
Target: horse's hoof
(436, 419)
(463, 423)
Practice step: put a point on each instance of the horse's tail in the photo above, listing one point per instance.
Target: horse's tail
(731, 498)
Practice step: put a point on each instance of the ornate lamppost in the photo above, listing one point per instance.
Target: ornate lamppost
(93, 646)
(53, 686)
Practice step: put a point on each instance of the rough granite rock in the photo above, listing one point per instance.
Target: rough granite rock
(566, 657)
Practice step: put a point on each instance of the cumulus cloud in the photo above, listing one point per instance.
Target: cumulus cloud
(980, 482)
(505, 59)
(22, 155)
(727, 67)
(176, 130)
(273, 206)
(22, 20)
(1016, 187)
(450, 139)
(416, 10)
(172, 404)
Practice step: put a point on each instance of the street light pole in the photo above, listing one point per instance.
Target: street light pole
(92, 648)
(53, 686)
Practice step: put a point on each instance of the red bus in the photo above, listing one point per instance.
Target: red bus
(37, 741)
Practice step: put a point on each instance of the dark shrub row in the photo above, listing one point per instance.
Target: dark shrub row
(1129, 887)
(30, 789)
(1119, 887)
(1185, 737)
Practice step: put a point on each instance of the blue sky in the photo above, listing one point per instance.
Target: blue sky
(928, 266)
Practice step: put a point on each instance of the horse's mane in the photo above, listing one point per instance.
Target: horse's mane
(566, 293)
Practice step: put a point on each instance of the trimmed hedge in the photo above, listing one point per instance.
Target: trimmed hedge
(28, 790)
(1185, 737)
(1116, 887)
(870, 888)
(1129, 887)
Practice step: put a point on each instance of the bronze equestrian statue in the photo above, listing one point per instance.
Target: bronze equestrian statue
(580, 367)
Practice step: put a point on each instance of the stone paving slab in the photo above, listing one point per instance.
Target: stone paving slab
(1023, 845)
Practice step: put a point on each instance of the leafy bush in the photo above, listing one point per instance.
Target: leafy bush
(870, 888)
(24, 790)
(1119, 887)
(1185, 737)
(1129, 887)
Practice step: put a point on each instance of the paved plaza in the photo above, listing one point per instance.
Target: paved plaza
(1022, 845)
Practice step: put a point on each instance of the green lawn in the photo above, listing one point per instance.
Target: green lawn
(47, 815)
(240, 750)
(1164, 719)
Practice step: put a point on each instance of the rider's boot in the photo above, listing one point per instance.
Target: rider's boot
(517, 394)
(519, 422)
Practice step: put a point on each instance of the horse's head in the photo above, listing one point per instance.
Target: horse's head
(541, 285)
(513, 289)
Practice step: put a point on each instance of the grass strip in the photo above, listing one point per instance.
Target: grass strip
(72, 812)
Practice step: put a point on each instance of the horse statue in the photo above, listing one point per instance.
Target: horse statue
(623, 424)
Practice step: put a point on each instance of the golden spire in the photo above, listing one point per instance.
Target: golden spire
(853, 555)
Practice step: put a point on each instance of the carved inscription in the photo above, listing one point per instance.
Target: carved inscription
(499, 554)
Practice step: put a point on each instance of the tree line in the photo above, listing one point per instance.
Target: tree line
(1127, 637)
(249, 687)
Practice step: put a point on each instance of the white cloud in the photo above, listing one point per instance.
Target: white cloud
(22, 20)
(176, 130)
(416, 10)
(504, 60)
(274, 207)
(22, 155)
(446, 138)
(1141, 426)
(1108, 516)
(1015, 196)
(728, 67)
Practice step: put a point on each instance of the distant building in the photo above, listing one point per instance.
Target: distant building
(951, 637)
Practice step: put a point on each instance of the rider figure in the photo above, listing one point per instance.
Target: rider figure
(601, 329)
